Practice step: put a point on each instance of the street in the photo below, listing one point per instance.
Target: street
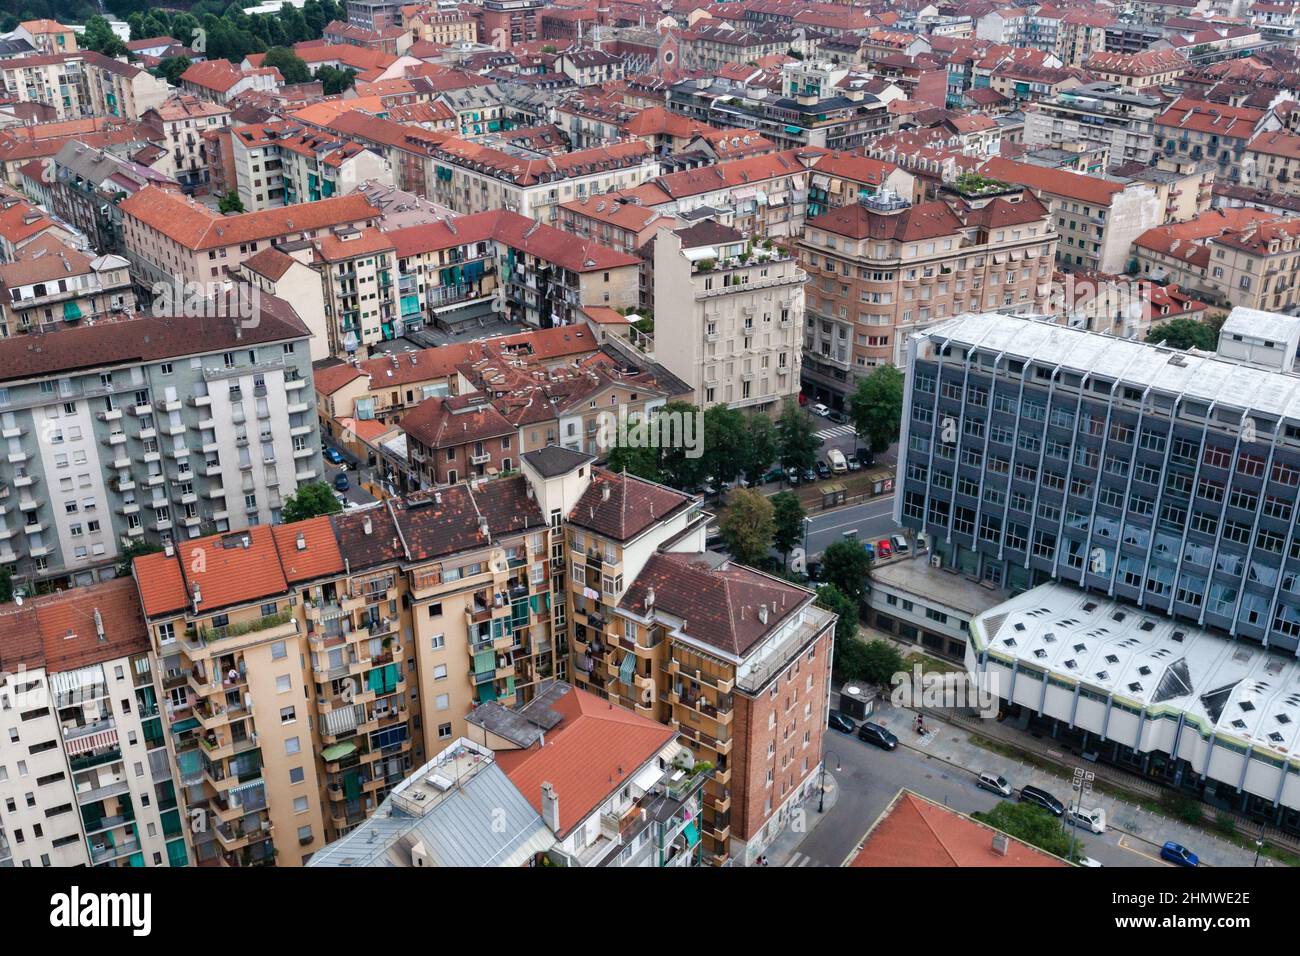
(871, 520)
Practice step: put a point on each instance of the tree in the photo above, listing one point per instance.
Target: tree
(1184, 334)
(333, 80)
(759, 449)
(99, 36)
(877, 408)
(846, 628)
(680, 469)
(851, 660)
(1029, 823)
(230, 202)
(6, 586)
(796, 442)
(881, 661)
(309, 501)
(136, 549)
(291, 66)
(746, 526)
(724, 442)
(846, 565)
(642, 462)
(171, 69)
(787, 522)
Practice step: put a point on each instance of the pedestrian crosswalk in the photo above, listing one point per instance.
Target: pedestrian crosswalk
(835, 431)
(798, 859)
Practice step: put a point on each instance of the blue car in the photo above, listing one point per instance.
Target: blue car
(333, 456)
(1178, 854)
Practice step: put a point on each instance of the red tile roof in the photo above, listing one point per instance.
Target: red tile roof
(197, 227)
(918, 832)
(587, 757)
(449, 422)
(319, 556)
(59, 631)
(1057, 182)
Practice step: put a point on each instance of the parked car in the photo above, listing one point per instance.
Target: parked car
(884, 549)
(864, 457)
(792, 478)
(808, 475)
(1043, 799)
(813, 570)
(775, 474)
(839, 418)
(875, 734)
(823, 470)
(855, 465)
(835, 459)
(1088, 861)
(1093, 821)
(871, 552)
(1178, 854)
(341, 481)
(820, 410)
(900, 544)
(994, 783)
(333, 455)
(837, 721)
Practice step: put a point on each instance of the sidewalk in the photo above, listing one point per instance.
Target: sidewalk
(949, 740)
(788, 840)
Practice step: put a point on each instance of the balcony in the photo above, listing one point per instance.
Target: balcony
(103, 852)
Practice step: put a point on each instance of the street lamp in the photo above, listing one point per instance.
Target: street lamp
(1082, 786)
(1259, 845)
(821, 799)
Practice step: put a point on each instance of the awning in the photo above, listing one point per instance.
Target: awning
(66, 682)
(71, 312)
(627, 668)
(340, 721)
(692, 834)
(338, 751)
(189, 723)
(96, 741)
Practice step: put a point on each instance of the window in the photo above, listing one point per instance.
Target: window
(283, 684)
(440, 672)
(292, 746)
(287, 715)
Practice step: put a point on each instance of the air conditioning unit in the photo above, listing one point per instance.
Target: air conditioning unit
(936, 561)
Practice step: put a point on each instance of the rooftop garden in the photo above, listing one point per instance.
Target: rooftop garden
(973, 184)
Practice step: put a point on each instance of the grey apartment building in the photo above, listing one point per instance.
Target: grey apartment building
(1098, 113)
(1033, 452)
(154, 429)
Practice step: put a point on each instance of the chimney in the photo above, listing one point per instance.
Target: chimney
(99, 627)
(649, 598)
(604, 493)
(551, 808)
(1000, 843)
(245, 542)
(366, 526)
(197, 596)
(762, 613)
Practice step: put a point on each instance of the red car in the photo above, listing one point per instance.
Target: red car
(884, 549)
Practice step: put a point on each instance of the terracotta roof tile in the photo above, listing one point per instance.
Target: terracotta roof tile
(622, 506)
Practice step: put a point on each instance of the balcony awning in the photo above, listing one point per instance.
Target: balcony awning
(627, 668)
(189, 723)
(95, 741)
(692, 834)
(71, 312)
(338, 751)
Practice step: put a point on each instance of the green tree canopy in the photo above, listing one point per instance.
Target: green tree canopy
(724, 442)
(99, 36)
(746, 526)
(760, 446)
(230, 202)
(797, 442)
(309, 501)
(846, 628)
(846, 564)
(1184, 334)
(333, 80)
(1030, 823)
(881, 660)
(291, 66)
(877, 408)
(171, 69)
(787, 522)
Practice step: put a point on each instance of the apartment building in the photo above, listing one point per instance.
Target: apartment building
(457, 438)
(116, 88)
(881, 268)
(51, 284)
(711, 45)
(443, 27)
(446, 271)
(1199, 135)
(1272, 163)
(1108, 463)
(729, 314)
(152, 439)
(86, 184)
(1148, 70)
(1096, 219)
(48, 36)
(279, 274)
(470, 177)
(746, 691)
(1099, 113)
(56, 80)
(357, 269)
(179, 126)
(1256, 267)
(169, 237)
(86, 778)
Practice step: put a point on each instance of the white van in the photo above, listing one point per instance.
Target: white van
(1091, 820)
(835, 458)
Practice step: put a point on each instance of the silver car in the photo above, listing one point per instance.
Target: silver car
(994, 784)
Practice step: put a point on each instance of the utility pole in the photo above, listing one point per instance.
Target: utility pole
(1082, 786)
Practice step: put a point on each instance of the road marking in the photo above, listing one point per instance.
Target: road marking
(798, 859)
(835, 432)
(1123, 845)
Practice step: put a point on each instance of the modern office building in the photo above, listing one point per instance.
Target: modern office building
(1036, 453)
